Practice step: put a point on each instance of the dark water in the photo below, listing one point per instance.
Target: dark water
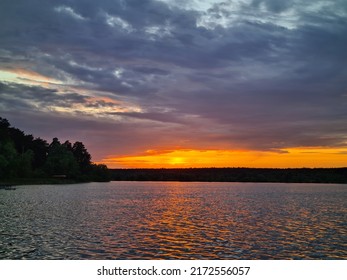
(171, 220)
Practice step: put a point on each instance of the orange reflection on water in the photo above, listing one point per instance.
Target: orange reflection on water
(173, 228)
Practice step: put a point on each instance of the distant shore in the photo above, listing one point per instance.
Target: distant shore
(275, 175)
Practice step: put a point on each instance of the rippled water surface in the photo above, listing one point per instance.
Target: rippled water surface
(174, 220)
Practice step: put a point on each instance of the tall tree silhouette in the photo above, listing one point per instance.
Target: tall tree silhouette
(40, 149)
(82, 156)
(60, 161)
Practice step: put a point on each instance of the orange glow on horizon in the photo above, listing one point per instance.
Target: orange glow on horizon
(289, 158)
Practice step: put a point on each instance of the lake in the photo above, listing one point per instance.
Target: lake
(174, 220)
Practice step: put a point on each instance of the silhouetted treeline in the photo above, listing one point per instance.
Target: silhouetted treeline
(291, 175)
(23, 156)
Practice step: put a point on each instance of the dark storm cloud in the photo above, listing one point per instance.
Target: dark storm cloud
(16, 96)
(167, 118)
(275, 76)
(151, 71)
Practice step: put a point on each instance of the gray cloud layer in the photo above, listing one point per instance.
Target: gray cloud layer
(261, 75)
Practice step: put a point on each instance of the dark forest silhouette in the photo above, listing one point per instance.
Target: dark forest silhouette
(24, 156)
(290, 175)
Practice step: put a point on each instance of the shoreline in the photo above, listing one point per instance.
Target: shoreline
(237, 175)
(38, 181)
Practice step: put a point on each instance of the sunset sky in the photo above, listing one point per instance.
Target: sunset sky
(185, 83)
